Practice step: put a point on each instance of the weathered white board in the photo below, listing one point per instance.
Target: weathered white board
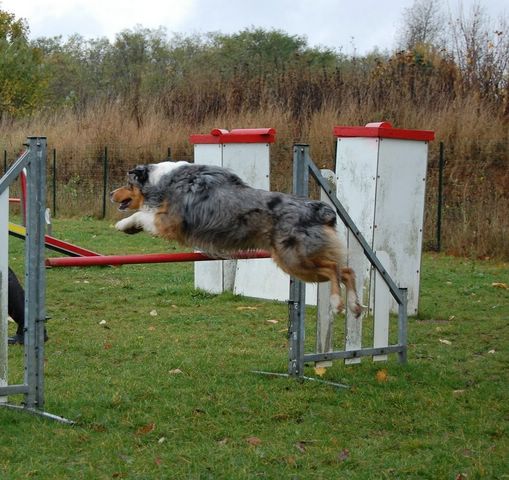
(4, 273)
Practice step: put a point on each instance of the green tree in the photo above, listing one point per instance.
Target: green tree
(22, 82)
(77, 71)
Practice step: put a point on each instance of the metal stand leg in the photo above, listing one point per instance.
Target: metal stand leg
(402, 326)
(296, 315)
(297, 302)
(35, 281)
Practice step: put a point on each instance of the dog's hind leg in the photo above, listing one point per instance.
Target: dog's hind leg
(329, 270)
(347, 278)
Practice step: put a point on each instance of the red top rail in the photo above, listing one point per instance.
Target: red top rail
(238, 135)
(384, 130)
(148, 258)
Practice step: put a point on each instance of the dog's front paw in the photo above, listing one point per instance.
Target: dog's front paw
(128, 227)
(122, 224)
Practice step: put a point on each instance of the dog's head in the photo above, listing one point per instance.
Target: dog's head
(130, 196)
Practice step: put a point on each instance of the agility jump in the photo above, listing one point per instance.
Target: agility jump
(33, 386)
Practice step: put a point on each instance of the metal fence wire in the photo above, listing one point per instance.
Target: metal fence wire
(464, 214)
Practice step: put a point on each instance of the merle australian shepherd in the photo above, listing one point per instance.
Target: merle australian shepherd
(212, 209)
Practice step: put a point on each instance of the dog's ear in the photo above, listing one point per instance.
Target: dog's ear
(139, 175)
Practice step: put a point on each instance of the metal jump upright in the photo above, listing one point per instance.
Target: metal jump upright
(302, 167)
(33, 160)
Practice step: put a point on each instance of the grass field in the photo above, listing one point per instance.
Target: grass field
(164, 389)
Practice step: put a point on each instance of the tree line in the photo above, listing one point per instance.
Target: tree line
(192, 77)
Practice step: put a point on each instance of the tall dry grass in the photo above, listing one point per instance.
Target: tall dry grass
(303, 106)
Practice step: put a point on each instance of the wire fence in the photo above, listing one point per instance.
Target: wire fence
(80, 179)
(463, 214)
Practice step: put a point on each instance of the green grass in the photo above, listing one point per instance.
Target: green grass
(443, 415)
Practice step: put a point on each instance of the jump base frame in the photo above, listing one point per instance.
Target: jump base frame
(32, 388)
(302, 167)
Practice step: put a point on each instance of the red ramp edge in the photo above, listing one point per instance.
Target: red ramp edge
(54, 243)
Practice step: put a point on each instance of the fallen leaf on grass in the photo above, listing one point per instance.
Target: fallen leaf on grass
(151, 328)
(301, 446)
(145, 429)
(461, 476)
(98, 427)
(107, 346)
(500, 285)
(126, 459)
(445, 342)
(382, 375)
(175, 371)
(343, 455)
(491, 351)
(458, 392)
(320, 371)
(272, 321)
(223, 441)
(153, 313)
(255, 441)
(281, 416)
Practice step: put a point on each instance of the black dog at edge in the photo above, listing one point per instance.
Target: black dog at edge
(16, 309)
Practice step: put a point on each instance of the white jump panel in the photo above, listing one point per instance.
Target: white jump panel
(209, 276)
(399, 211)
(4, 273)
(250, 162)
(381, 183)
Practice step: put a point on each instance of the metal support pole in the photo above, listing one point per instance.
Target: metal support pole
(296, 312)
(297, 302)
(34, 160)
(34, 275)
(403, 325)
(14, 171)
